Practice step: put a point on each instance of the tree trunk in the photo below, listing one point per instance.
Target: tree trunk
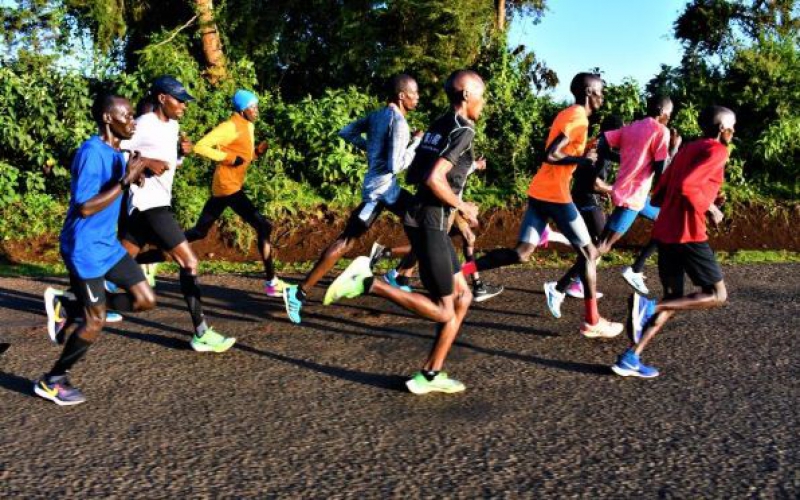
(212, 45)
(501, 15)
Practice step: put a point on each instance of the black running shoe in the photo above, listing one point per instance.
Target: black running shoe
(485, 291)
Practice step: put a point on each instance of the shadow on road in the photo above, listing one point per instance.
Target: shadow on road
(390, 382)
(15, 383)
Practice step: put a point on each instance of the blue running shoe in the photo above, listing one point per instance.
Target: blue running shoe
(554, 298)
(113, 317)
(58, 390)
(391, 278)
(629, 365)
(642, 310)
(111, 287)
(292, 303)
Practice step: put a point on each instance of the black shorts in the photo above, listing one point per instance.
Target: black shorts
(241, 205)
(156, 226)
(367, 213)
(695, 259)
(125, 274)
(437, 258)
(595, 220)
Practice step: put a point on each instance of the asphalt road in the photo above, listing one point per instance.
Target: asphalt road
(320, 411)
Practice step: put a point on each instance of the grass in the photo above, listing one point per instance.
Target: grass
(545, 259)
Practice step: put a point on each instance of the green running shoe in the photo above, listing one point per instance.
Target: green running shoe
(150, 271)
(350, 283)
(418, 384)
(211, 341)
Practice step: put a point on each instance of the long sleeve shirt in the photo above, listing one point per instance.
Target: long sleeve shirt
(231, 138)
(686, 191)
(388, 151)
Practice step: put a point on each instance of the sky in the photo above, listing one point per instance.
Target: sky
(624, 38)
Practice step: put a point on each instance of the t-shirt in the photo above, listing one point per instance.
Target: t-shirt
(387, 148)
(583, 193)
(551, 182)
(157, 140)
(686, 191)
(89, 245)
(231, 138)
(449, 137)
(640, 144)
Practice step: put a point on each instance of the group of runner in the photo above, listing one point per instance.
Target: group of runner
(121, 196)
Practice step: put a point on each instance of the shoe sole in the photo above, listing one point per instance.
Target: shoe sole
(635, 288)
(286, 306)
(636, 332)
(576, 296)
(49, 295)
(415, 389)
(626, 372)
(42, 394)
(589, 335)
(330, 293)
(547, 299)
(207, 348)
(484, 298)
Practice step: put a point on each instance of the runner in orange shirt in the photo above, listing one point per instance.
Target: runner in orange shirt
(549, 198)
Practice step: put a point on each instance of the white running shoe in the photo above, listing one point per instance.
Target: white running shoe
(635, 280)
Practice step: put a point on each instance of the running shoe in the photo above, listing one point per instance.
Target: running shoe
(550, 236)
(276, 289)
(113, 317)
(485, 291)
(391, 278)
(292, 303)
(602, 329)
(211, 341)
(111, 287)
(635, 280)
(418, 384)
(554, 298)
(149, 271)
(629, 365)
(642, 309)
(376, 254)
(58, 390)
(350, 283)
(575, 290)
(57, 318)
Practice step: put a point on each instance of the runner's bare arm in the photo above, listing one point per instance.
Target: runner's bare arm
(437, 183)
(103, 199)
(557, 156)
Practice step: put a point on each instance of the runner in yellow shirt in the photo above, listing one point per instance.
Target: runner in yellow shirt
(232, 145)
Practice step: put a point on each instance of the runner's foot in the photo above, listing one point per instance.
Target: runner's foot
(554, 299)
(602, 329)
(484, 291)
(275, 288)
(150, 271)
(419, 384)
(575, 290)
(350, 283)
(635, 280)
(57, 318)
(629, 365)
(58, 390)
(642, 309)
(292, 303)
(211, 341)
(391, 278)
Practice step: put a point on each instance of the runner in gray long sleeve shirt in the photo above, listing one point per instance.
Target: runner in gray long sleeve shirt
(387, 148)
(388, 154)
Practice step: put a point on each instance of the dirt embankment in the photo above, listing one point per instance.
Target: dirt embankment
(302, 238)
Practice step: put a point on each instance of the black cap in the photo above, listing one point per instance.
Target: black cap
(170, 85)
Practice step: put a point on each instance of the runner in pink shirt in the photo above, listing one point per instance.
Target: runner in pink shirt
(644, 147)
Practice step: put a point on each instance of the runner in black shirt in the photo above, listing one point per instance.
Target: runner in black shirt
(439, 170)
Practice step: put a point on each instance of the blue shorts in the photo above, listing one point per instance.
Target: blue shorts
(566, 218)
(622, 218)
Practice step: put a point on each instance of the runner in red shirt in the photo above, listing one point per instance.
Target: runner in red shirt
(686, 194)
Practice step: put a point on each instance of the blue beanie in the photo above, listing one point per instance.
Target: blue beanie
(243, 99)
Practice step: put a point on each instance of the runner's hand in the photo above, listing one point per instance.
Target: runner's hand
(134, 173)
(186, 144)
(480, 163)
(262, 148)
(716, 215)
(470, 212)
(156, 167)
(418, 134)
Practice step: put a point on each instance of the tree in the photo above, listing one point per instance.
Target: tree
(212, 46)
